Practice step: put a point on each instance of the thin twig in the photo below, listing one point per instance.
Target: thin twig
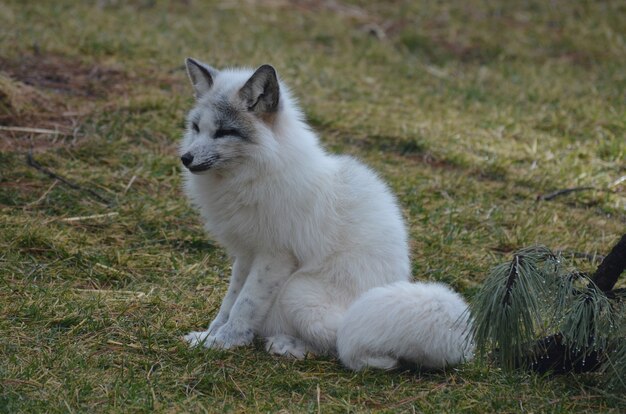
(113, 292)
(117, 343)
(31, 162)
(93, 216)
(111, 269)
(21, 382)
(44, 195)
(243, 394)
(32, 130)
(137, 346)
(618, 181)
(319, 398)
(555, 194)
(132, 180)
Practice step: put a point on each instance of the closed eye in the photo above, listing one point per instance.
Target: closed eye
(195, 127)
(226, 132)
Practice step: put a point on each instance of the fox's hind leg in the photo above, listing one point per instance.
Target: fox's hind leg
(312, 313)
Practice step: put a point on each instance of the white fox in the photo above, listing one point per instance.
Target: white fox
(319, 245)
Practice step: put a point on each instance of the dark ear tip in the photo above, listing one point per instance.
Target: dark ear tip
(267, 68)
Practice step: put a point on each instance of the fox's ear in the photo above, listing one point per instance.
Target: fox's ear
(261, 92)
(201, 76)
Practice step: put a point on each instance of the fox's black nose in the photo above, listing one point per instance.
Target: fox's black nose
(187, 159)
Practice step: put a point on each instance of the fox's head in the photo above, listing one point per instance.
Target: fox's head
(234, 117)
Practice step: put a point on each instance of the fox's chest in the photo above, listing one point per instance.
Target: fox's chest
(234, 222)
(268, 217)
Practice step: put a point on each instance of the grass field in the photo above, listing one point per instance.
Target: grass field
(471, 110)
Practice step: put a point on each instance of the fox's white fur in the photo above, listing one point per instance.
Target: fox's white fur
(319, 245)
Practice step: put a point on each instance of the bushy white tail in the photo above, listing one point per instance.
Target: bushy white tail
(426, 324)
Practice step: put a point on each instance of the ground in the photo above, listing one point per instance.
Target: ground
(472, 111)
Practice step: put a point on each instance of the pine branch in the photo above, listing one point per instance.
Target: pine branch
(533, 294)
(508, 308)
(611, 267)
(588, 323)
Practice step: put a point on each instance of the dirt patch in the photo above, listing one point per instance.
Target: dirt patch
(65, 76)
(43, 98)
(26, 112)
(18, 100)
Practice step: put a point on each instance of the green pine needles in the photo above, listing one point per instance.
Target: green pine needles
(508, 309)
(535, 312)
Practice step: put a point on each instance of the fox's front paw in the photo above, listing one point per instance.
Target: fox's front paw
(196, 338)
(226, 337)
(230, 336)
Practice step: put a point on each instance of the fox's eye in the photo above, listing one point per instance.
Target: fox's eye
(195, 127)
(226, 132)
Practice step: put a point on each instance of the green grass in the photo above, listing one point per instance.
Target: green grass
(470, 110)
